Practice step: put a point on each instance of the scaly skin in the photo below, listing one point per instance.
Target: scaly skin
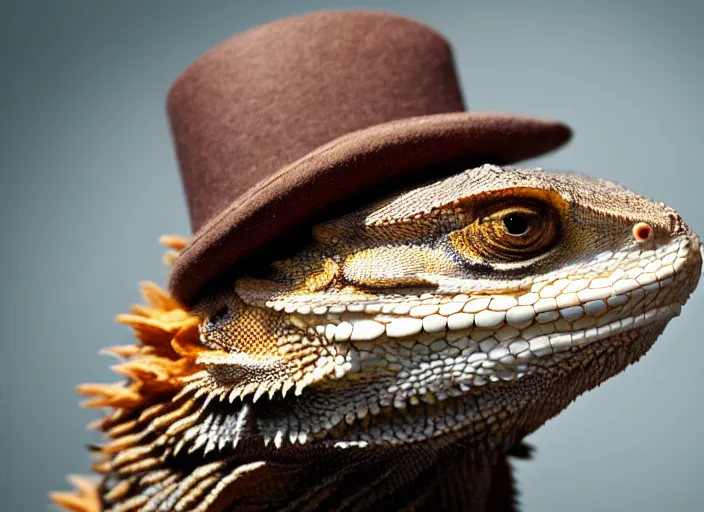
(398, 356)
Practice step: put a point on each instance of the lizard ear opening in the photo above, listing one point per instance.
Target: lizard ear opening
(254, 351)
(228, 324)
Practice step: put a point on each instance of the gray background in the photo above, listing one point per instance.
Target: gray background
(89, 182)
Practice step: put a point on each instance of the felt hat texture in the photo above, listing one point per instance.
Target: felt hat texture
(279, 122)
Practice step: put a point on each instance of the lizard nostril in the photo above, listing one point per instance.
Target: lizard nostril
(642, 232)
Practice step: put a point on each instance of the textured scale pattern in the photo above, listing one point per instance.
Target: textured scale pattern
(398, 358)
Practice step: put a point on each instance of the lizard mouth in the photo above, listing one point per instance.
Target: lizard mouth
(398, 357)
(427, 404)
(495, 336)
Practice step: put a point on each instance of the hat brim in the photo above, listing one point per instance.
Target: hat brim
(402, 149)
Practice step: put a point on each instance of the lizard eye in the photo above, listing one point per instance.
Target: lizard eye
(512, 232)
(516, 224)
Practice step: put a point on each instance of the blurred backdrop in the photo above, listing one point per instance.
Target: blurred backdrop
(89, 182)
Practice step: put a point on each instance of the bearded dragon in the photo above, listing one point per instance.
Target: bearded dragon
(393, 359)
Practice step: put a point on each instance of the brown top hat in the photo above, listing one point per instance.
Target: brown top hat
(285, 119)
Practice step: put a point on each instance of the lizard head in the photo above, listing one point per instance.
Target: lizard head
(475, 307)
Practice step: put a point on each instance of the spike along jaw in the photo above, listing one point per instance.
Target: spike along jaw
(477, 306)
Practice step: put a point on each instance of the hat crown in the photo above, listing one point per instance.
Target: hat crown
(267, 97)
